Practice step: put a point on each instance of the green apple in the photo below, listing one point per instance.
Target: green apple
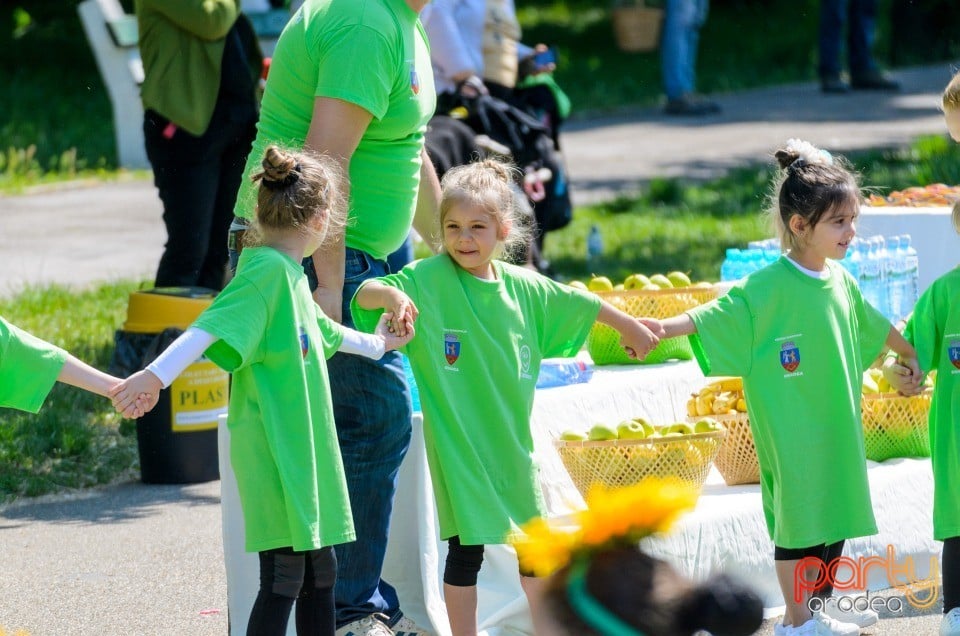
(702, 285)
(671, 434)
(707, 425)
(618, 287)
(635, 281)
(600, 283)
(679, 279)
(601, 432)
(578, 284)
(573, 436)
(648, 428)
(651, 287)
(661, 281)
(631, 430)
(680, 427)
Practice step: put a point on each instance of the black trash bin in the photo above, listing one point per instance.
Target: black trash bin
(177, 440)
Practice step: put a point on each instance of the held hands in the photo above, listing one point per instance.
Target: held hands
(385, 330)
(403, 313)
(640, 337)
(137, 395)
(904, 376)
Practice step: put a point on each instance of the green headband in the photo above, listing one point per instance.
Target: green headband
(589, 609)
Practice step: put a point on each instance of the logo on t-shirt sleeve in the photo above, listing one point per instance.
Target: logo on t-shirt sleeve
(789, 356)
(414, 79)
(304, 342)
(451, 347)
(953, 352)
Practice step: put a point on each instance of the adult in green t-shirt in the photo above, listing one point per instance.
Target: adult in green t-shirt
(29, 367)
(934, 329)
(800, 334)
(482, 329)
(352, 79)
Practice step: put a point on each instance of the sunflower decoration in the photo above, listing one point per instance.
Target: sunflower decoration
(613, 516)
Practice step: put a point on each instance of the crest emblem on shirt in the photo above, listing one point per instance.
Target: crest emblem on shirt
(304, 342)
(789, 356)
(953, 352)
(525, 357)
(414, 80)
(451, 347)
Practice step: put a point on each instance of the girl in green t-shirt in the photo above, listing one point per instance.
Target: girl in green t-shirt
(934, 329)
(483, 327)
(266, 329)
(801, 334)
(29, 367)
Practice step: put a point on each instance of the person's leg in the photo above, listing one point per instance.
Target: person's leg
(316, 614)
(533, 588)
(281, 577)
(862, 21)
(796, 602)
(371, 402)
(950, 573)
(460, 586)
(674, 56)
(698, 17)
(833, 17)
(830, 553)
(185, 175)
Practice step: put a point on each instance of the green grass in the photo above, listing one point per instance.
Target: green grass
(77, 440)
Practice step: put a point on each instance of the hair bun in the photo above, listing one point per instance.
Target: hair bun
(279, 168)
(722, 606)
(799, 153)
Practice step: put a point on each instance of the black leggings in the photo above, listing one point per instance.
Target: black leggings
(287, 576)
(824, 552)
(463, 563)
(950, 573)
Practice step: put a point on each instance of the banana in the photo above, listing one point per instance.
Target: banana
(742, 405)
(692, 406)
(727, 384)
(724, 402)
(705, 403)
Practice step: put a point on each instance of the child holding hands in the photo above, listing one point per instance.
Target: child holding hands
(265, 328)
(801, 334)
(483, 328)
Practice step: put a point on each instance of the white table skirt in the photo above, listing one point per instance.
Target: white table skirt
(725, 532)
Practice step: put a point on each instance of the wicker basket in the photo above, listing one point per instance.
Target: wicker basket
(623, 462)
(637, 29)
(603, 342)
(736, 460)
(896, 426)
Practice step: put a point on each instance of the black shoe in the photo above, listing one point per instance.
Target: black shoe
(874, 81)
(692, 105)
(834, 85)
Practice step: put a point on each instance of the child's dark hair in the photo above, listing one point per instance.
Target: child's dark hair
(489, 185)
(293, 188)
(811, 183)
(623, 589)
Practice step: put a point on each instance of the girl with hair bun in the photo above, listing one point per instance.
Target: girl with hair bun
(484, 326)
(801, 334)
(265, 329)
(600, 582)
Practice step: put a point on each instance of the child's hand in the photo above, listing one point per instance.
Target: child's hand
(404, 313)
(390, 338)
(902, 378)
(136, 395)
(638, 340)
(655, 327)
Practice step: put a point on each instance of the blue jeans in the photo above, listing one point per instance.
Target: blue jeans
(860, 17)
(371, 406)
(678, 45)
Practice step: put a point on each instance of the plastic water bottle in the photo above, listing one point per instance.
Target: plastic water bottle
(563, 371)
(893, 268)
(731, 269)
(851, 262)
(870, 274)
(911, 274)
(594, 247)
(414, 391)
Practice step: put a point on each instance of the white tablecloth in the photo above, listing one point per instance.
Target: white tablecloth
(725, 532)
(931, 233)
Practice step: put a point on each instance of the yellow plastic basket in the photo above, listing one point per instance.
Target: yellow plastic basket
(623, 462)
(603, 342)
(896, 426)
(736, 460)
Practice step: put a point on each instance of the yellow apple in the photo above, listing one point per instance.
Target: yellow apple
(707, 425)
(578, 284)
(600, 283)
(679, 279)
(635, 281)
(651, 287)
(680, 427)
(702, 285)
(661, 281)
(631, 430)
(618, 287)
(601, 432)
(572, 436)
(647, 426)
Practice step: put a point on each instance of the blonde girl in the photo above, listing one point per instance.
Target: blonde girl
(483, 328)
(801, 334)
(268, 332)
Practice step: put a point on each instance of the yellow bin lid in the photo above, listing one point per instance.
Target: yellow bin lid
(153, 310)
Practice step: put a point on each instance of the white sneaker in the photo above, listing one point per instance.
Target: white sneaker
(950, 625)
(406, 627)
(861, 618)
(826, 626)
(366, 626)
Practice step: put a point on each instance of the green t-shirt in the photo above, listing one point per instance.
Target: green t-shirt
(283, 444)
(934, 331)
(372, 53)
(801, 345)
(29, 368)
(475, 357)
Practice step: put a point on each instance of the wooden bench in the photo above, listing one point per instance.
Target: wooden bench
(113, 36)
